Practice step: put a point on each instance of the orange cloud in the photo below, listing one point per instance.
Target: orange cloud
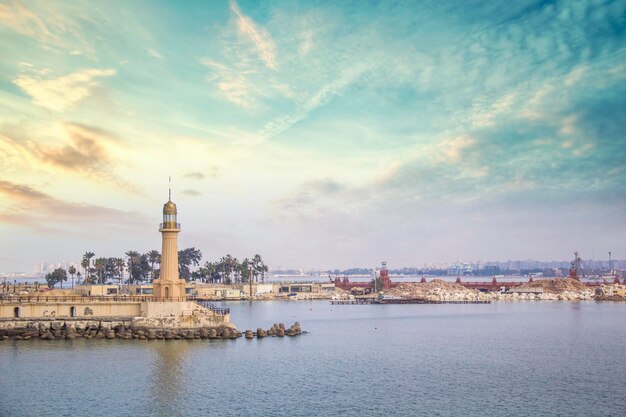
(29, 207)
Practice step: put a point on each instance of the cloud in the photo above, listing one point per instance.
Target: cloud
(322, 96)
(28, 207)
(59, 94)
(79, 149)
(232, 84)
(24, 21)
(195, 175)
(258, 36)
(88, 150)
(306, 43)
(154, 53)
(192, 193)
(49, 24)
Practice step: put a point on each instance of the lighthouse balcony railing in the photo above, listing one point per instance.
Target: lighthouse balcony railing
(169, 225)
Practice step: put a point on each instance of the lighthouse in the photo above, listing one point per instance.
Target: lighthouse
(169, 287)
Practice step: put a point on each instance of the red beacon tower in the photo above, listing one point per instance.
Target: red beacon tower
(576, 271)
(384, 276)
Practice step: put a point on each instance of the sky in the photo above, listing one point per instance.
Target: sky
(319, 134)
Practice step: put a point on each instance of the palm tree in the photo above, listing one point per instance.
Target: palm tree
(100, 264)
(72, 271)
(119, 265)
(86, 263)
(133, 260)
(154, 257)
(210, 268)
(244, 271)
(259, 267)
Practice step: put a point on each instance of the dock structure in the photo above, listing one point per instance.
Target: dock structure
(352, 302)
(405, 301)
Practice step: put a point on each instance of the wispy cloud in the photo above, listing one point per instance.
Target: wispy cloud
(23, 20)
(79, 149)
(319, 98)
(195, 175)
(29, 207)
(59, 94)
(258, 36)
(192, 193)
(88, 150)
(154, 54)
(307, 42)
(232, 84)
(47, 24)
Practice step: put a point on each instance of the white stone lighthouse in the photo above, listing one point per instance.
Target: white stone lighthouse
(169, 287)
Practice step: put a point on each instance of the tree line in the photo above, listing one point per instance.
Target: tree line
(137, 268)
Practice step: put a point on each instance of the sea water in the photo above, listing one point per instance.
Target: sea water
(500, 359)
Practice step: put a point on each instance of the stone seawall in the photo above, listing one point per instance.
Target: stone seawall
(125, 328)
(105, 328)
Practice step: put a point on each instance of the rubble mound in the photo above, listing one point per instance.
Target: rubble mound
(428, 289)
(557, 285)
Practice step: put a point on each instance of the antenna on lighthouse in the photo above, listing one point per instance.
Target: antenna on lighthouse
(169, 180)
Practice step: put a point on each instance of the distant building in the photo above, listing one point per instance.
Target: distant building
(491, 270)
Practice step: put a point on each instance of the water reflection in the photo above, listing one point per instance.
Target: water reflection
(167, 375)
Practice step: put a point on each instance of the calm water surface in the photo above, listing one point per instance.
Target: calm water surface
(502, 359)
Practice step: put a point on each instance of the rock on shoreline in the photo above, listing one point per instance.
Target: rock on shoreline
(60, 330)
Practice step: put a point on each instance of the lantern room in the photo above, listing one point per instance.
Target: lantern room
(169, 216)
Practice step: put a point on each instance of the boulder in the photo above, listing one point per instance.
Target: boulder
(152, 334)
(249, 334)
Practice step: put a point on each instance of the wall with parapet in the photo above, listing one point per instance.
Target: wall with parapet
(63, 309)
(145, 314)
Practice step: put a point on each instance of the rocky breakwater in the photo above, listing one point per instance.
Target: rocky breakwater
(563, 289)
(554, 289)
(436, 290)
(611, 292)
(66, 330)
(277, 330)
(58, 330)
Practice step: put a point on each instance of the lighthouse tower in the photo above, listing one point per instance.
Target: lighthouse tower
(169, 287)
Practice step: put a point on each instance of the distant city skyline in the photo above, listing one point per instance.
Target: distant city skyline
(513, 264)
(330, 134)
